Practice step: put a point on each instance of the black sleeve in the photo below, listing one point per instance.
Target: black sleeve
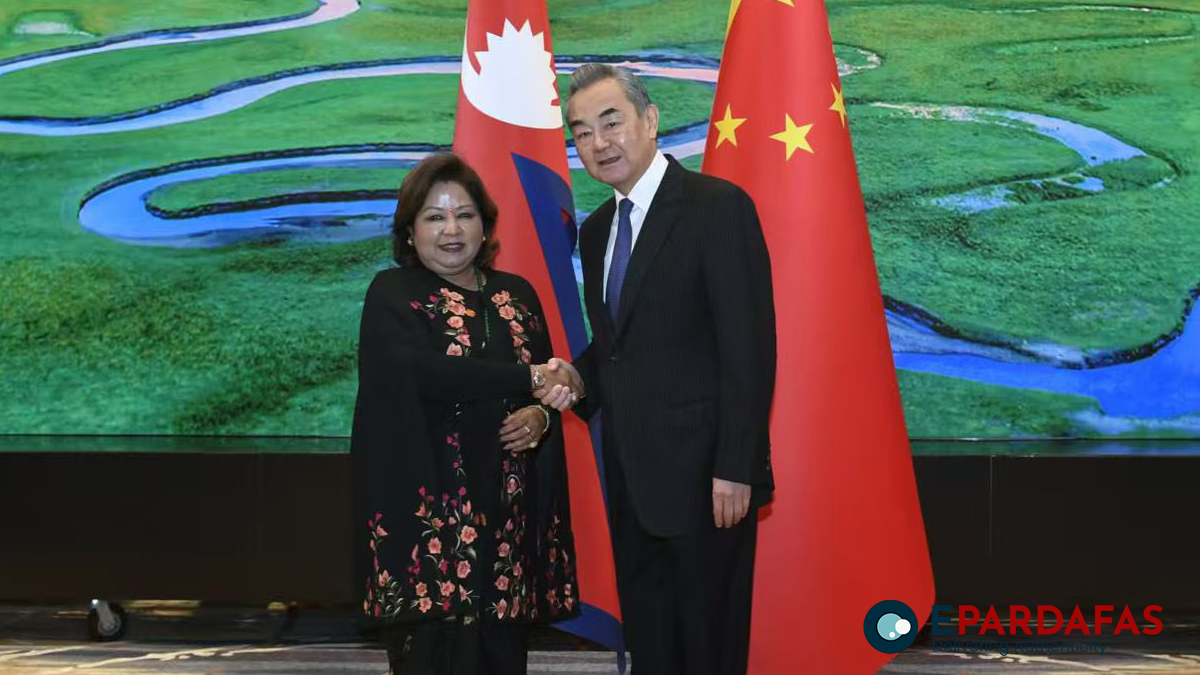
(737, 274)
(394, 343)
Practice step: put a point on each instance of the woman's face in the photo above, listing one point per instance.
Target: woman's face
(448, 231)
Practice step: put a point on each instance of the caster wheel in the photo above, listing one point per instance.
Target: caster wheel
(106, 621)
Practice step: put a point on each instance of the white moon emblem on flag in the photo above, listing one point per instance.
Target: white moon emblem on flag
(516, 81)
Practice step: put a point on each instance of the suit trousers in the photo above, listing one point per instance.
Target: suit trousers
(685, 600)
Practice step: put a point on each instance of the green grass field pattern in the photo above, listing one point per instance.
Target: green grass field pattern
(1029, 169)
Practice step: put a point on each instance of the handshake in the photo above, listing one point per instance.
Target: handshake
(557, 384)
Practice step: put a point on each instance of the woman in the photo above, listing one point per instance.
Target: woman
(460, 477)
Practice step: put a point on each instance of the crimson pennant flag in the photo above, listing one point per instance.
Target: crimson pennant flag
(509, 128)
(844, 531)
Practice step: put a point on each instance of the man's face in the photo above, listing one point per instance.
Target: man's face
(615, 144)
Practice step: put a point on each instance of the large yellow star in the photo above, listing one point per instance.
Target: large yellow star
(793, 136)
(728, 127)
(839, 105)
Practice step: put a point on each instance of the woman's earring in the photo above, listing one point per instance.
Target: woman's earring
(410, 241)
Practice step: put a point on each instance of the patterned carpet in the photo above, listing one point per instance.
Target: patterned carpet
(166, 640)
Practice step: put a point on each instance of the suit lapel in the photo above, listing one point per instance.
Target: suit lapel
(664, 212)
(593, 241)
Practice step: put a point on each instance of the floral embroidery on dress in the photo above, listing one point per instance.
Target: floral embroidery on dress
(383, 590)
(450, 303)
(560, 573)
(514, 312)
(439, 573)
(442, 562)
(511, 563)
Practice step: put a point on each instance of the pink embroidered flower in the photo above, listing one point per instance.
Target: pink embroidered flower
(371, 544)
(569, 603)
(502, 582)
(552, 554)
(516, 608)
(383, 578)
(456, 308)
(455, 322)
(453, 295)
(416, 551)
(515, 327)
(518, 340)
(526, 357)
(468, 534)
(466, 508)
(425, 604)
(421, 512)
(512, 485)
(501, 298)
(501, 607)
(507, 312)
(451, 521)
(415, 305)
(435, 545)
(462, 593)
(508, 526)
(517, 571)
(380, 532)
(503, 549)
(464, 568)
(446, 605)
(366, 605)
(463, 338)
(443, 566)
(376, 610)
(446, 588)
(437, 523)
(454, 350)
(422, 590)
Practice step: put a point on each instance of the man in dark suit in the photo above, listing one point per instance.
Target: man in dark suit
(677, 284)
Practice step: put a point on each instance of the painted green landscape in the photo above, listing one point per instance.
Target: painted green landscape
(180, 251)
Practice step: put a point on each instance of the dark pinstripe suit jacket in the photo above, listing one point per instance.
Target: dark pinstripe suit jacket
(684, 378)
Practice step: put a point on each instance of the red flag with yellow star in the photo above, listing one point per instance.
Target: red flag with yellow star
(845, 530)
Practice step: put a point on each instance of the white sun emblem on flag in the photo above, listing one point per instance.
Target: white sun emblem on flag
(516, 79)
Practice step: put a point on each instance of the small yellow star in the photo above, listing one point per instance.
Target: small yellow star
(839, 105)
(733, 9)
(793, 136)
(728, 127)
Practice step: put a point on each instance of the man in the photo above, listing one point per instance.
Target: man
(677, 284)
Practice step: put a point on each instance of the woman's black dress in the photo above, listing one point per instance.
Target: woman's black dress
(455, 535)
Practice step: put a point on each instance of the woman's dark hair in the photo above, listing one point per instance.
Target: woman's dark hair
(443, 167)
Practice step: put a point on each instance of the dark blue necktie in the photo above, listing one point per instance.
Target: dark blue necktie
(620, 258)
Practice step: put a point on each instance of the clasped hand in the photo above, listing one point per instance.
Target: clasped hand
(563, 387)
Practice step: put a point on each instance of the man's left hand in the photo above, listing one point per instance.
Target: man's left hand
(731, 502)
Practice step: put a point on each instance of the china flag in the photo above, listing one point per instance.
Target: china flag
(509, 129)
(845, 530)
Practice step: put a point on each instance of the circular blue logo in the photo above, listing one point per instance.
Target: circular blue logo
(890, 626)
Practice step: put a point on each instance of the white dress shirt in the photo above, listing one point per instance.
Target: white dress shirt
(642, 195)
